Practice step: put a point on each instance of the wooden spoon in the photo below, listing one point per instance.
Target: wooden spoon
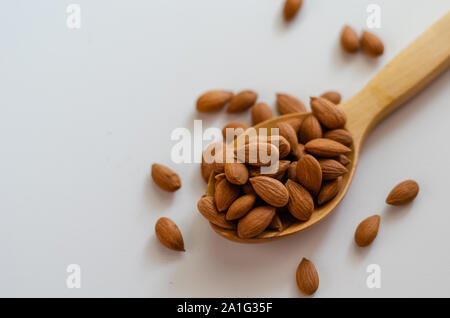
(406, 75)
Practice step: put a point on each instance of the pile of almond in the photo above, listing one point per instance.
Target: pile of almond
(312, 158)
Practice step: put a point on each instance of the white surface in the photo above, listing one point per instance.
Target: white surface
(84, 114)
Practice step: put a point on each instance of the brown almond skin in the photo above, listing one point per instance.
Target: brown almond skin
(301, 204)
(371, 44)
(349, 40)
(213, 101)
(296, 123)
(208, 209)
(309, 173)
(248, 189)
(327, 113)
(289, 133)
(292, 171)
(165, 178)
(323, 147)
(238, 127)
(276, 224)
(169, 234)
(343, 159)
(331, 169)
(236, 173)
(225, 194)
(307, 277)
(283, 145)
(367, 231)
(257, 154)
(340, 135)
(283, 165)
(332, 96)
(255, 222)
(260, 112)
(329, 190)
(403, 193)
(240, 207)
(242, 101)
(310, 129)
(272, 191)
(288, 104)
(291, 8)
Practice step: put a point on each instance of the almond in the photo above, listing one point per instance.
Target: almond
(343, 159)
(301, 204)
(169, 234)
(213, 101)
(283, 165)
(242, 101)
(255, 222)
(248, 189)
(331, 169)
(307, 277)
(309, 173)
(332, 96)
(291, 8)
(367, 231)
(236, 173)
(340, 135)
(225, 194)
(276, 224)
(165, 178)
(292, 171)
(261, 112)
(296, 123)
(283, 145)
(289, 104)
(234, 128)
(207, 165)
(327, 113)
(270, 190)
(329, 190)
(257, 154)
(289, 133)
(349, 40)
(240, 207)
(403, 193)
(310, 129)
(299, 151)
(323, 147)
(220, 157)
(208, 209)
(371, 44)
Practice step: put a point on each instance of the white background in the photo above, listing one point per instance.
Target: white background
(84, 113)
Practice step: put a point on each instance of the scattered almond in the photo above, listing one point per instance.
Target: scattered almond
(289, 133)
(236, 173)
(296, 123)
(403, 193)
(240, 207)
(292, 171)
(255, 222)
(257, 154)
(298, 151)
(283, 145)
(291, 8)
(329, 190)
(235, 128)
(323, 147)
(307, 277)
(169, 234)
(332, 96)
(207, 208)
(327, 113)
(270, 190)
(261, 112)
(371, 44)
(343, 159)
(165, 178)
(340, 135)
(310, 129)
(242, 101)
(213, 101)
(288, 104)
(301, 204)
(283, 165)
(331, 169)
(367, 231)
(309, 173)
(349, 40)
(276, 224)
(225, 194)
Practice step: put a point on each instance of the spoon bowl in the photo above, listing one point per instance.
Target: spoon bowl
(406, 75)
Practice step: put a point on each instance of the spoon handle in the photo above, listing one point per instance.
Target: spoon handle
(401, 79)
